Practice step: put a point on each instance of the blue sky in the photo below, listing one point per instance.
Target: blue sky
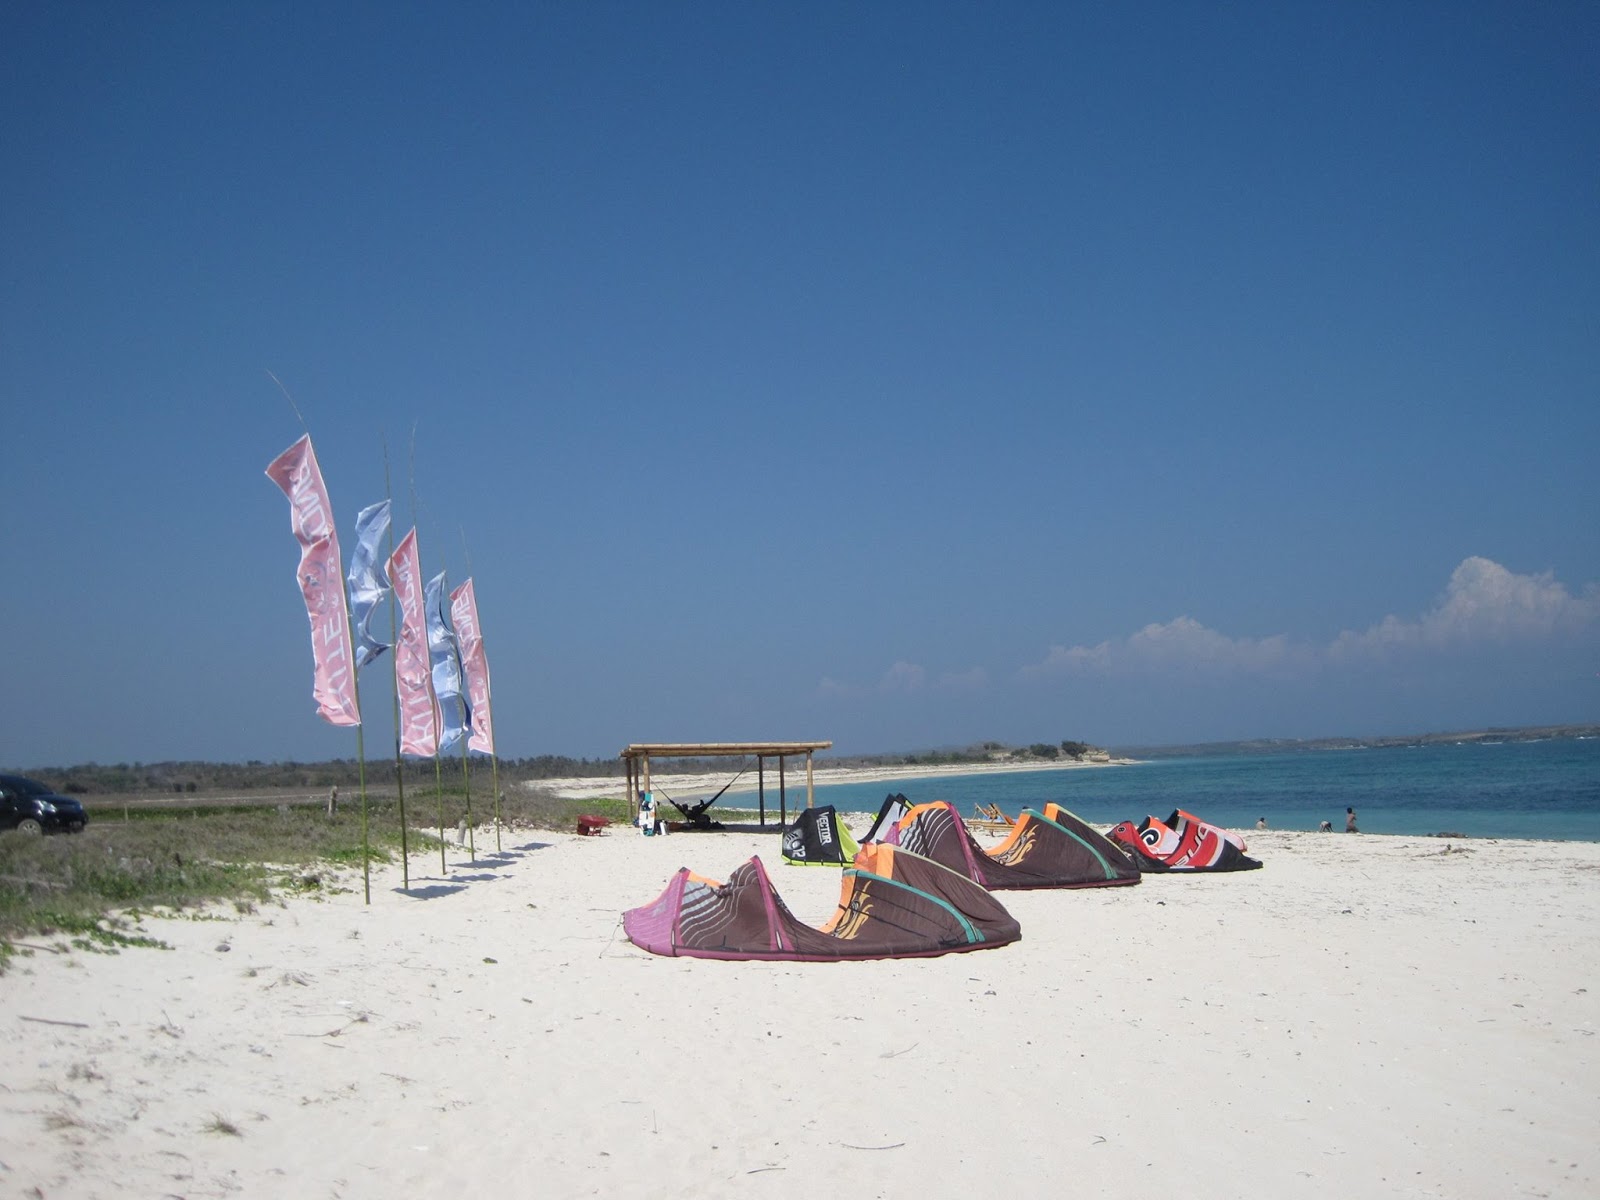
(898, 374)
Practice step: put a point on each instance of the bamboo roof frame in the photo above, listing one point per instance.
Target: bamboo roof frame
(637, 757)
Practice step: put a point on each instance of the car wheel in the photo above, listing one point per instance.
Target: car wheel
(30, 827)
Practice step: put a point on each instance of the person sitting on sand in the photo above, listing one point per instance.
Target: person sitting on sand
(1261, 822)
(1350, 821)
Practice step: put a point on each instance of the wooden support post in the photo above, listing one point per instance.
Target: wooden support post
(783, 800)
(761, 785)
(811, 791)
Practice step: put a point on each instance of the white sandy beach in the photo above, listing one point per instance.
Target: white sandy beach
(1366, 1016)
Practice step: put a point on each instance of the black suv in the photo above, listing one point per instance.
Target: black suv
(27, 806)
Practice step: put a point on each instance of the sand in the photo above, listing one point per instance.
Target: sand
(1366, 1016)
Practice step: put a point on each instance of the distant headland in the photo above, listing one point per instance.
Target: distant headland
(1532, 733)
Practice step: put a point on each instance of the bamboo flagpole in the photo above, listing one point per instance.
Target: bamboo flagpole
(424, 651)
(361, 776)
(438, 780)
(299, 477)
(494, 782)
(365, 586)
(399, 772)
(466, 780)
(418, 724)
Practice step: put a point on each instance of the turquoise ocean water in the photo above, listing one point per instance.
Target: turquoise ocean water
(1545, 789)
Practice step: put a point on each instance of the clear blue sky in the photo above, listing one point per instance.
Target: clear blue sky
(898, 374)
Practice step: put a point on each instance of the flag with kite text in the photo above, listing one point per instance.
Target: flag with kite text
(296, 472)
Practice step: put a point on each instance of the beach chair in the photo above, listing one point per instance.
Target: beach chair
(990, 819)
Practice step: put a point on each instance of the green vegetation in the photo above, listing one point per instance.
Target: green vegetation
(198, 782)
(978, 752)
(191, 778)
(171, 837)
(168, 855)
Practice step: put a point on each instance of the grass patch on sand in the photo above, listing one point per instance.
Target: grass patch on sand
(91, 887)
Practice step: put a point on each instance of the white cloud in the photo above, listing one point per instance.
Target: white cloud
(1484, 603)
(1182, 643)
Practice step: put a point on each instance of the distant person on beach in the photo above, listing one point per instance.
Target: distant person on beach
(1350, 821)
(1325, 827)
(1261, 822)
(333, 799)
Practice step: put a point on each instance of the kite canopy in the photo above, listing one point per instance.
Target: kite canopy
(1182, 842)
(892, 904)
(894, 806)
(818, 839)
(1053, 849)
(1226, 835)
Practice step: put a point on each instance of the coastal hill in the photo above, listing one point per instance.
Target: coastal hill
(1537, 733)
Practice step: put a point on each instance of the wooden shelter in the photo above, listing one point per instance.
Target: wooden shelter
(637, 758)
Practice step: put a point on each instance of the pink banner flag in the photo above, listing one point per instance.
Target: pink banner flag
(474, 665)
(413, 675)
(321, 577)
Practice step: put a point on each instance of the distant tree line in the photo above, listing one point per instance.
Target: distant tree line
(187, 778)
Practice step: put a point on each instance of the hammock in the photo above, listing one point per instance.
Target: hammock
(695, 814)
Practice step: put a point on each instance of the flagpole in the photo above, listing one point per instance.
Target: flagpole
(438, 774)
(361, 748)
(290, 399)
(295, 478)
(361, 768)
(394, 641)
(494, 775)
(438, 724)
(467, 779)
(438, 779)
